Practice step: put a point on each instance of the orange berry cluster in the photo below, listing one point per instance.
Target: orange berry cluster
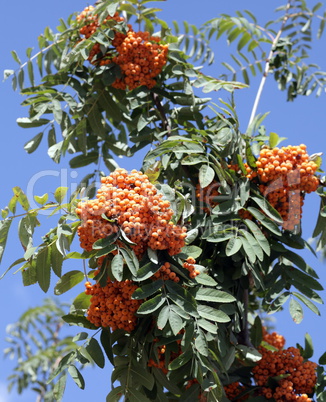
(292, 163)
(86, 15)
(139, 55)
(129, 202)
(300, 376)
(91, 21)
(166, 274)
(111, 305)
(249, 172)
(273, 339)
(286, 174)
(141, 59)
(90, 27)
(233, 390)
(189, 265)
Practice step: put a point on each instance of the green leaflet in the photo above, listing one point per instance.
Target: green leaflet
(296, 311)
(233, 246)
(4, 230)
(206, 175)
(80, 320)
(117, 267)
(212, 314)
(181, 360)
(151, 305)
(214, 295)
(147, 290)
(43, 268)
(261, 239)
(95, 351)
(76, 376)
(68, 281)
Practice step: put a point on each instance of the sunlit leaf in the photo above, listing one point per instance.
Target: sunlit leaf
(296, 311)
(60, 194)
(76, 376)
(4, 230)
(233, 246)
(117, 267)
(201, 343)
(212, 314)
(307, 302)
(176, 322)
(60, 387)
(206, 175)
(33, 144)
(214, 295)
(163, 317)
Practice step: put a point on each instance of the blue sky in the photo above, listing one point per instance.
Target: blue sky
(302, 121)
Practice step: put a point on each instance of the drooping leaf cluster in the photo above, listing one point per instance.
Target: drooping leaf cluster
(36, 343)
(281, 47)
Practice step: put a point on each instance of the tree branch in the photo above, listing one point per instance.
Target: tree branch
(267, 65)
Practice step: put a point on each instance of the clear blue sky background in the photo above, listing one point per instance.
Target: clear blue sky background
(303, 121)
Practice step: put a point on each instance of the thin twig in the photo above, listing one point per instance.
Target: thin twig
(267, 65)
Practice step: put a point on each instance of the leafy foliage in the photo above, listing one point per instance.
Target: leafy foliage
(281, 51)
(37, 345)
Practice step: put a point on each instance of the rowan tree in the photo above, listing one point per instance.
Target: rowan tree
(183, 259)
